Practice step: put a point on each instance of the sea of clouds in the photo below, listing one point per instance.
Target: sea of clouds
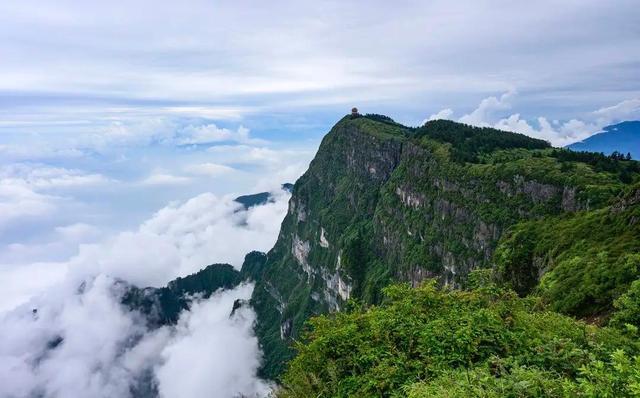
(75, 338)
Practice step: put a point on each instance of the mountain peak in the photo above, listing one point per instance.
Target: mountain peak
(623, 137)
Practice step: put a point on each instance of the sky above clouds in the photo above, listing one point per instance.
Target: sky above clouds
(132, 124)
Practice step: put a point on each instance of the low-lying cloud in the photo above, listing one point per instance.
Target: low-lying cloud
(219, 351)
(79, 341)
(75, 339)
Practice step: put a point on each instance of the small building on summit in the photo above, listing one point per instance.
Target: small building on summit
(354, 112)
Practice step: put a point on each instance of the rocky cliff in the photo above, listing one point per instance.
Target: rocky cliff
(382, 202)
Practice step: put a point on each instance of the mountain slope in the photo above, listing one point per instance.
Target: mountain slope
(382, 202)
(623, 137)
(577, 263)
(162, 306)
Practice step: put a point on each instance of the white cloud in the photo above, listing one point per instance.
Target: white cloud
(261, 64)
(105, 348)
(21, 282)
(625, 110)
(165, 179)
(78, 232)
(487, 114)
(443, 114)
(259, 155)
(573, 130)
(37, 150)
(95, 329)
(487, 108)
(26, 189)
(18, 201)
(273, 166)
(44, 177)
(209, 169)
(210, 133)
(219, 351)
(125, 132)
(184, 237)
(209, 112)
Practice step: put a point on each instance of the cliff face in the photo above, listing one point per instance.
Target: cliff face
(382, 202)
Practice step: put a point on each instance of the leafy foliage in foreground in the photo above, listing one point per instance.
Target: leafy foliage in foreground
(425, 342)
(628, 308)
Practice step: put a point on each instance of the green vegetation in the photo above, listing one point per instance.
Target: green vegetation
(255, 199)
(383, 119)
(588, 259)
(469, 142)
(546, 243)
(163, 306)
(426, 342)
(614, 163)
(628, 308)
(384, 203)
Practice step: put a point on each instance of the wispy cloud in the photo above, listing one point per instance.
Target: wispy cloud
(33, 190)
(226, 62)
(165, 179)
(209, 169)
(210, 133)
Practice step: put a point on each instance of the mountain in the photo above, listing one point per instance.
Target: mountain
(261, 198)
(383, 203)
(499, 242)
(162, 306)
(622, 137)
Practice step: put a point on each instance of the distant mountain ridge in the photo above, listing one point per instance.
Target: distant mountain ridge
(622, 137)
(162, 306)
(260, 198)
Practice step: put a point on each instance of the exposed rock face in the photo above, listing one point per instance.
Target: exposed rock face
(323, 239)
(569, 199)
(300, 250)
(633, 198)
(285, 329)
(409, 198)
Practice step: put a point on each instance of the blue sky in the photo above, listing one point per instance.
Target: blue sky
(111, 111)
